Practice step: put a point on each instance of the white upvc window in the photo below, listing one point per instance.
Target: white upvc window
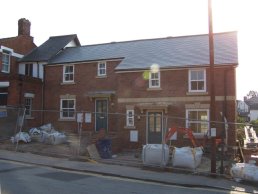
(68, 73)
(67, 109)
(154, 81)
(197, 80)
(6, 61)
(130, 118)
(102, 69)
(197, 120)
(28, 106)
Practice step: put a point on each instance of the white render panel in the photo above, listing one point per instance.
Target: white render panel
(22, 68)
(71, 44)
(253, 115)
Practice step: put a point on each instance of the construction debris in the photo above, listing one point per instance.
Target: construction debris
(48, 135)
(244, 171)
(21, 136)
(251, 140)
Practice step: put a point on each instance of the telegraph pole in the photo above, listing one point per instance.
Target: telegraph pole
(212, 90)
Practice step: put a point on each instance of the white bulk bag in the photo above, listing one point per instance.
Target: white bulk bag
(155, 154)
(187, 157)
(244, 171)
(21, 136)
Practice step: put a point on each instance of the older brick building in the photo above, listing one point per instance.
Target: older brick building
(16, 89)
(138, 89)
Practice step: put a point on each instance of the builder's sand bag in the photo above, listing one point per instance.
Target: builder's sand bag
(155, 154)
(187, 157)
(244, 171)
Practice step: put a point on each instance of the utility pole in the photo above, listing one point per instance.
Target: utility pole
(212, 90)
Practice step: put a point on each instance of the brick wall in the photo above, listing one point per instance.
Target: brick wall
(174, 85)
(85, 81)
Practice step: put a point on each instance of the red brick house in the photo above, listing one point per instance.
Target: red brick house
(135, 89)
(16, 89)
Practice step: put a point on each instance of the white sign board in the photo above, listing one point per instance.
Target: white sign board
(174, 136)
(87, 117)
(133, 136)
(213, 132)
(79, 117)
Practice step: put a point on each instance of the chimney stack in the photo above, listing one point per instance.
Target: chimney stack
(23, 27)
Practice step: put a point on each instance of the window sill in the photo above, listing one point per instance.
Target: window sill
(67, 83)
(67, 120)
(154, 89)
(29, 118)
(101, 76)
(196, 93)
(129, 127)
(5, 72)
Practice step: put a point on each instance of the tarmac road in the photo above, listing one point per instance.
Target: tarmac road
(16, 177)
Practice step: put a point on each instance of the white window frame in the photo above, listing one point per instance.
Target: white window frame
(62, 109)
(130, 118)
(196, 121)
(28, 105)
(190, 80)
(154, 79)
(7, 54)
(68, 73)
(102, 71)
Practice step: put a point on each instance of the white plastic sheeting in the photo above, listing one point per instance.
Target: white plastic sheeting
(187, 157)
(21, 136)
(48, 135)
(155, 154)
(244, 171)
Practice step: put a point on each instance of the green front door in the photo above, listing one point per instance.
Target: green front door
(154, 135)
(101, 113)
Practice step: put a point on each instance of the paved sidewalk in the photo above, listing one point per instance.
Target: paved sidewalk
(129, 172)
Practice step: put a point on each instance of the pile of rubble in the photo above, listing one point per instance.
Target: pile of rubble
(45, 134)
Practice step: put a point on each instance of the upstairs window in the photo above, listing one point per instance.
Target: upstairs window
(197, 80)
(154, 81)
(6, 61)
(102, 69)
(130, 118)
(29, 69)
(67, 109)
(68, 73)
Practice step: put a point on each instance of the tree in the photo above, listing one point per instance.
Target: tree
(252, 94)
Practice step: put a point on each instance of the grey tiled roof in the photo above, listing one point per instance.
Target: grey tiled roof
(166, 52)
(49, 48)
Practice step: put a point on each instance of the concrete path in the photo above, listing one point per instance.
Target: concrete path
(135, 173)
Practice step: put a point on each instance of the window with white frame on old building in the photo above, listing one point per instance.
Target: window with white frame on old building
(102, 69)
(154, 81)
(68, 73)
(130, 118)
(67, 109)
(6, 61)
(197, 120)
(197, 80)
(28, 106)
